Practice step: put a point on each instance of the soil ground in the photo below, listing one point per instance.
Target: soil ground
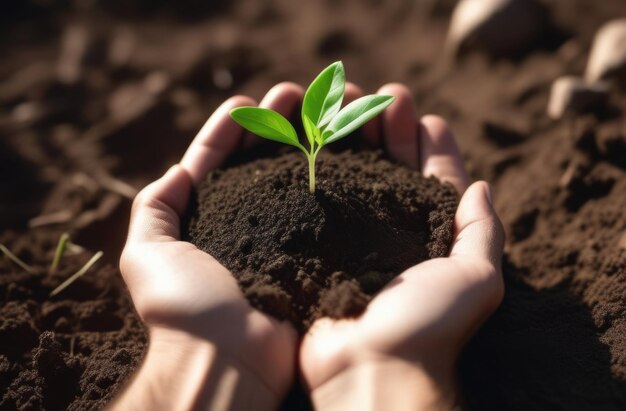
(300, 256)
(99, 98)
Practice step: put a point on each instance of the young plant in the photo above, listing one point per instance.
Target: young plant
(16, 259)
(64, 244)
(323, 119)
(78, 274)
(63, 241)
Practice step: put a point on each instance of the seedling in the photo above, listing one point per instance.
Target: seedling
(78, 274)
(16, 259)
(323, 119)
(64, 244)
(65, 238)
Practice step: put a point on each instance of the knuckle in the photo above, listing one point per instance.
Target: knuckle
(141, 199)
(289, 86)
(396, 89)
(435, 120)
(239, 100)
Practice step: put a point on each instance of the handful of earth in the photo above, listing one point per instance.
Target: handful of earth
(300, 253)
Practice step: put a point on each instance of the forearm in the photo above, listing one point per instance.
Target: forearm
(182, 372)
(386, 385)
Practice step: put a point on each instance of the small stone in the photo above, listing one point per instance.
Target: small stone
(222, 79)
(607, 59)
(570, 94)
(502, 28)
(27, 112)
(156, 82)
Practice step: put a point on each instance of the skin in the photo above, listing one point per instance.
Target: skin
(404, 347)
(209, 349)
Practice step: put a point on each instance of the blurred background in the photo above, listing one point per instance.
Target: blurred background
(98, 98)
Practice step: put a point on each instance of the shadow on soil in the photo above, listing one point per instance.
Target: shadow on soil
(545, 343)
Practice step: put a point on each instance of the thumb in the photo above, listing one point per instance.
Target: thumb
(157, 208)
(479, 232)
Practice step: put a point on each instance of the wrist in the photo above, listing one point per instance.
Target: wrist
(387, 383)
(182, 371)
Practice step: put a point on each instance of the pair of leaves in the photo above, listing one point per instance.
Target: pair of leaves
(323, 119)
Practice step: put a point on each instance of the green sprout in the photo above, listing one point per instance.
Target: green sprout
(65, 244)
(78, 274)
(323, 119)
(63, 241)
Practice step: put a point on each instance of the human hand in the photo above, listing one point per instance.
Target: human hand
(217, 349)
(401, 352)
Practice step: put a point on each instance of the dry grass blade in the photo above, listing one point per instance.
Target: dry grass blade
(47, 219)
(74, 248)
(15, 259)
(118, 186)
(78, 274)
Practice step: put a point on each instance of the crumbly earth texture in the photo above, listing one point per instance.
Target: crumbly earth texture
(89, 89)
(67, 352)
(300, 256)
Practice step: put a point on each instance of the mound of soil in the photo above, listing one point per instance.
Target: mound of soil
(89, 90)
(300, 256)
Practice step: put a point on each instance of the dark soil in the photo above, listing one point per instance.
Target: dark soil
(96, 89)
(299, 256)
(67, 351)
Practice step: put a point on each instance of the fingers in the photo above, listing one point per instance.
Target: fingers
(399, 125)
(479, 232)
(324, 351)
(219, 136)
(439, 154)
(282, 98)
(371, 129)
(351, 93)
(157, 208)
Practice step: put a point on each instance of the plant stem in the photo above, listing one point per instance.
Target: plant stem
(15, 259)
(78, 274)
(65, 238)
(312, 172)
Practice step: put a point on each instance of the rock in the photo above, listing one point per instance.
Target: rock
(607, 59)
(570, 94)
(222, 78)
(502, 28)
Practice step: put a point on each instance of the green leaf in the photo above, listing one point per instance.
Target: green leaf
(266, 123)
(309, 129)
(323, 98)
(354, 115)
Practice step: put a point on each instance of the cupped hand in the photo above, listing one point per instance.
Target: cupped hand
(176, 286)
(425, 315)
